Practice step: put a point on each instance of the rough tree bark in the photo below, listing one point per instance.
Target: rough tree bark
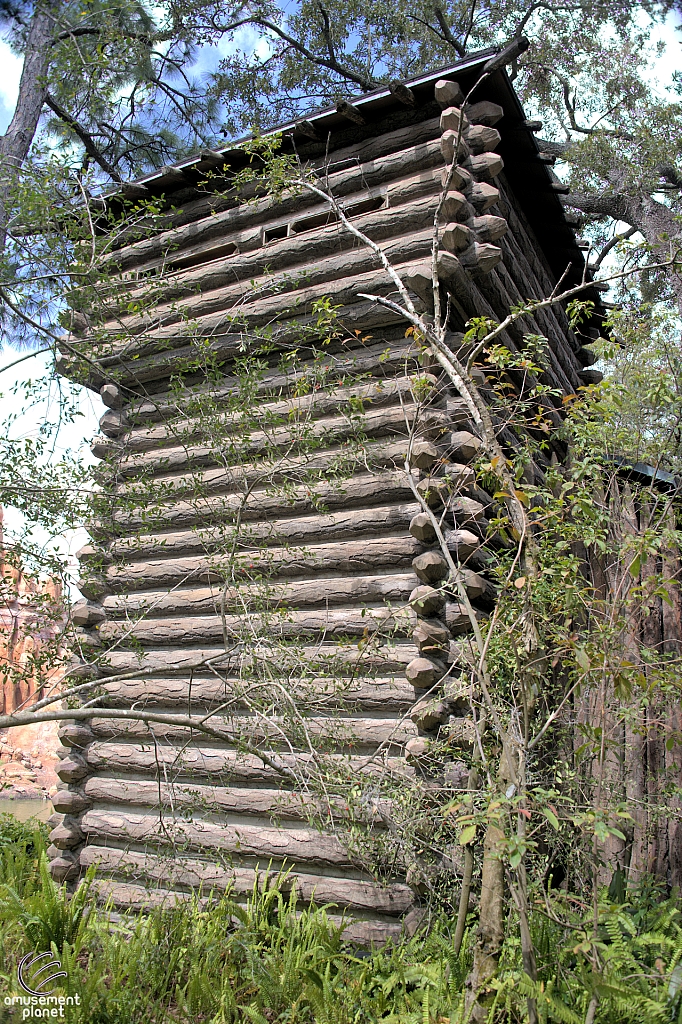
(16, 142)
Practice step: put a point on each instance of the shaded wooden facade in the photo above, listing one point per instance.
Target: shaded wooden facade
(345, 567)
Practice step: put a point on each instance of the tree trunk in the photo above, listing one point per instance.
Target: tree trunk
(16, 142)
(490, 927)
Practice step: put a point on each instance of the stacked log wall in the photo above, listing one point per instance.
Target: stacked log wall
(351, 562)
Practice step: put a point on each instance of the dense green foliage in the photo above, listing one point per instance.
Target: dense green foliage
(217, 960)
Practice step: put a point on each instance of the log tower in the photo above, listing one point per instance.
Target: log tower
(159, 811)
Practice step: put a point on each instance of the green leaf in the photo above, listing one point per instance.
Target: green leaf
(583, 660)
(551, 817)
(467, 834)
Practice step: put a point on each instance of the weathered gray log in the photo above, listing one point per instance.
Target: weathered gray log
(298, 844)
(457, 618)
(126, 895)
(113, 423)
(330, 431)
(428, 714)
(465, 446)
(456, 237)
(427, 601)
(198, 694)
(431, 637)
(481, 256)
(70, 801)
(482, 195)
(336, 622)
(313, 258)
(430, 567)
(406, 225)
(299, 593)
(476, 586)
(274, 412)
(450, 142)
(72, 769)
(375, 161)
(68, 834)
(462, 543)
(481, 139)
(386, 360)
(64, 866)
(422, 673)
(300, 530)
(334, 730)
(94, 588)
(436, 490)
(201, 483)
(75, 735)
(247, 260)
(488, 228)
(417, 749)
(351, 556)
(227, 765)
(177, 870)
(466, 510)
(111, 396)
(154, 795)
(323, 658)
(84, 613)
(484, 166)
(168, 355)
(453, 120)
(447, 93)
(484, 112)
(422, 528)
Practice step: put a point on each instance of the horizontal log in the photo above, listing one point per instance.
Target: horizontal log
(302, 438)
(344, 733)
(350, 400)
(481, 138)
(153, 794)
(336, 622)
(67, 834)
(294, 844)
(342, 660)
(137, 897)
(230, 766)
(484, 112)
(200, 483)
(69, 801)
(298, 530)
(352, 556)
(393, 899)
(372, 694)
(383, 361)
(295, 594)
(177, 354)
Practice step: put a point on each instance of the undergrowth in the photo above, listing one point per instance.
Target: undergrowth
(218, 961)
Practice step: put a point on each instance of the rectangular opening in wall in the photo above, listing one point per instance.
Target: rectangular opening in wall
(322, 220)
(365, 206)
(194, 259)
(319, 220)
(273, 234)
